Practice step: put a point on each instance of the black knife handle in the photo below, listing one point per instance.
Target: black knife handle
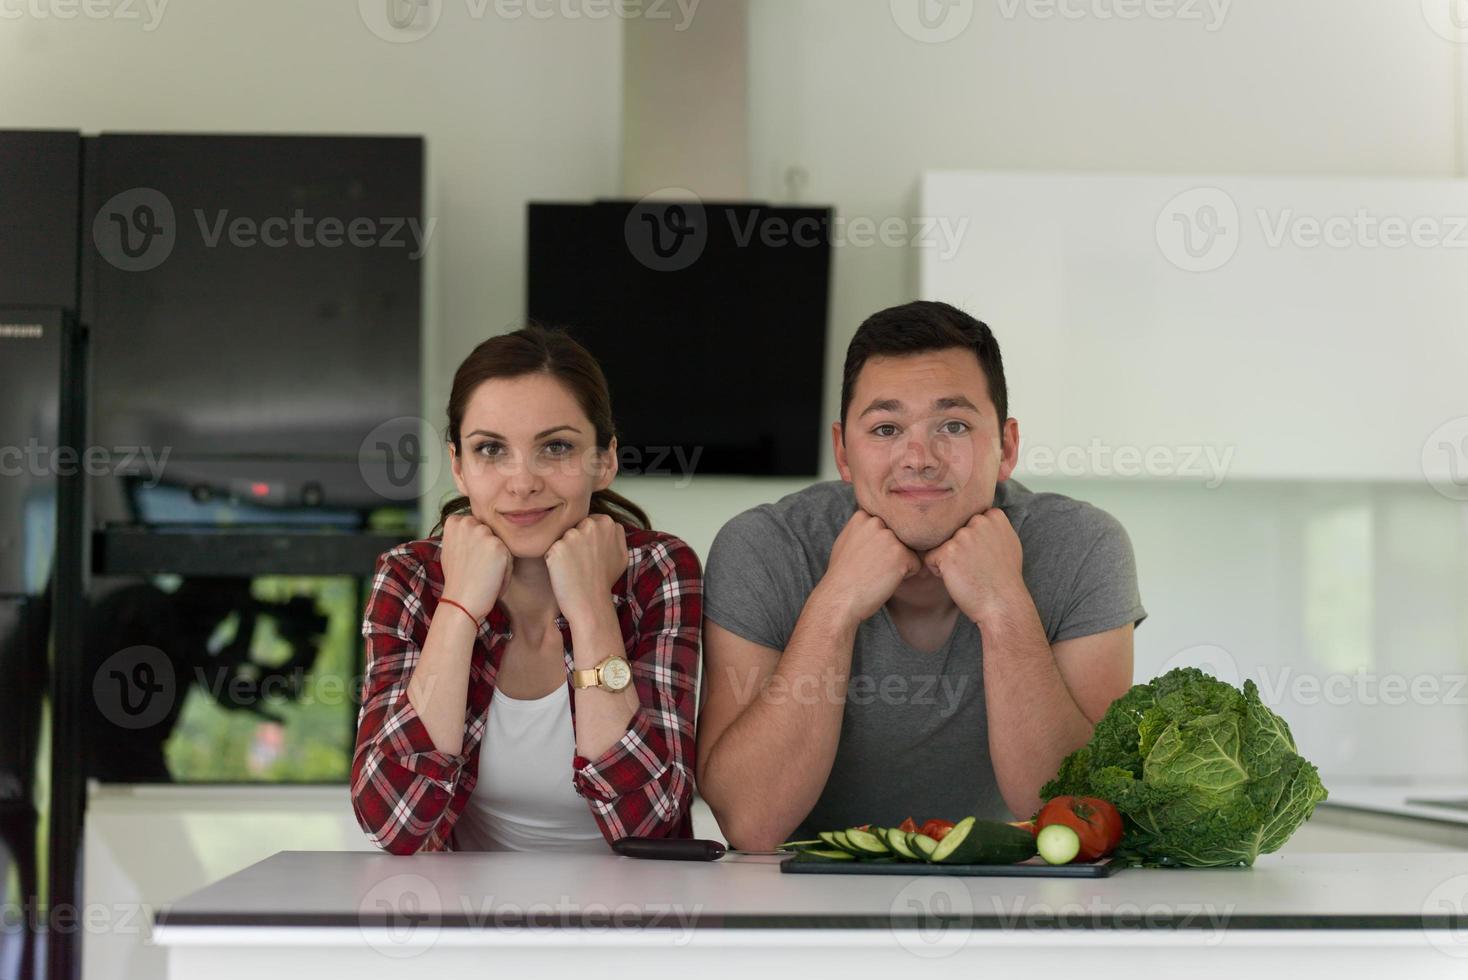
(669, 848)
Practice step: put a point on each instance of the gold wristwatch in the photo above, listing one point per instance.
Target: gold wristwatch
(612, 674)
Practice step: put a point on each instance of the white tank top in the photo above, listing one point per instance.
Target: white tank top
(524, 800)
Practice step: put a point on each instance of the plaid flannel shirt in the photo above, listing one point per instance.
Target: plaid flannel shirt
(407, 794)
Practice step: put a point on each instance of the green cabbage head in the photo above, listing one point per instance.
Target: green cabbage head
(1204, 774)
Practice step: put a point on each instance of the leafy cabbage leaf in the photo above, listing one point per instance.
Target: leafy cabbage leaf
(1204, 774)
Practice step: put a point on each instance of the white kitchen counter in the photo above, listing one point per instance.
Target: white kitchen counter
(300, 914)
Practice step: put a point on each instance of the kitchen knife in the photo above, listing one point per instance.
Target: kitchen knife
(669, 848)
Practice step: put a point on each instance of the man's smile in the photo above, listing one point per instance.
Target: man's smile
(920, 494)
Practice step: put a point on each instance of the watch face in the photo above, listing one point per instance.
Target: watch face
(616, 674)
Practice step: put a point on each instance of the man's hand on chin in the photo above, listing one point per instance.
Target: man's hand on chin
(982, 565)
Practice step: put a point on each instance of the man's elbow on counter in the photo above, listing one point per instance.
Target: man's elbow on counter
(744, 837)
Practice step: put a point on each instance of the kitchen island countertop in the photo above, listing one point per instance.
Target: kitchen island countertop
(298, 911)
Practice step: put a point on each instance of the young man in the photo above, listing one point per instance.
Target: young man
(925, 638)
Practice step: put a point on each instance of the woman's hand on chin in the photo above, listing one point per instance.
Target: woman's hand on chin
(476, 564)
(585, 563)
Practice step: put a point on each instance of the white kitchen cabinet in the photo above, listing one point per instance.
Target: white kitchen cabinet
(1300, 328)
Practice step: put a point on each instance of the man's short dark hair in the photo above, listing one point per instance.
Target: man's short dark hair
(919, 328)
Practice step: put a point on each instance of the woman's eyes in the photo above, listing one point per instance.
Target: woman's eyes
(556, 447)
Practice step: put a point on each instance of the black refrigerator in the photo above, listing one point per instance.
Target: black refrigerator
(249, 303)
(40, 284)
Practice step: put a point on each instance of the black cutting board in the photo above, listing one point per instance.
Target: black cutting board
(1033, 868)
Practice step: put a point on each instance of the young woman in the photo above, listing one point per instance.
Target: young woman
(530, 671)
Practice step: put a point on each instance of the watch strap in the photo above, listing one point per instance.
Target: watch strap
(582, 679)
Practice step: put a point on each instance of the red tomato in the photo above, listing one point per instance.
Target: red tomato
(937, 829)
(908, 826)
(1096, 821)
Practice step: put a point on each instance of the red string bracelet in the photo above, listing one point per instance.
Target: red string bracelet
(465, 611)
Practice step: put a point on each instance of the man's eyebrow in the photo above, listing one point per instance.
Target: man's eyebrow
(940, 404)
(538, 435)
(882, 405)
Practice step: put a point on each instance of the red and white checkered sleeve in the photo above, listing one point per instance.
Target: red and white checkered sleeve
(401, 784)
(643, 785)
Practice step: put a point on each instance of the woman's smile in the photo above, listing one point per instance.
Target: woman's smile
(526, 518)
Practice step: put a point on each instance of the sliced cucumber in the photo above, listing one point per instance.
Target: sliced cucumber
(897, 840)
(867, 842)
(829, 855)
(922, 845)
(803, 845)
(973, 841)
(1058, 844)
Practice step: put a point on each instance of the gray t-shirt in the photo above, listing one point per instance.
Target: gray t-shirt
(914, 736)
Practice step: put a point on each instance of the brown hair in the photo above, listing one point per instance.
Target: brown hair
(917, 328)
(532, 350)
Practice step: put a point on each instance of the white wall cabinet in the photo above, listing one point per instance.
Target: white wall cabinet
(1295, 328)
